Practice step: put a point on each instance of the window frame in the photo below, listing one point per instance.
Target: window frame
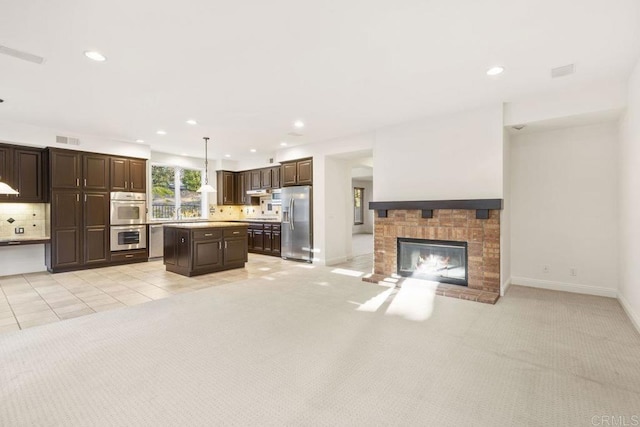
(361, 207)
(177, 183)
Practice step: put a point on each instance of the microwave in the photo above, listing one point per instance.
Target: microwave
(276, 196)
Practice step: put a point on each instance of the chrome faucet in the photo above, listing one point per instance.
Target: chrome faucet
(179, 213)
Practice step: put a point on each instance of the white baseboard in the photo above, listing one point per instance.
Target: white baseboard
(334, 261)
(505, 286)
(565, 287)
(635, 317)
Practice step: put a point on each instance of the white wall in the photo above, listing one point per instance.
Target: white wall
(557, 104)
(332, 243)
(563, 209)
(454, 156)
(17, 133)
(505, 217)
(338, 198)
(367, 226)
(21, 259)
(629, 197)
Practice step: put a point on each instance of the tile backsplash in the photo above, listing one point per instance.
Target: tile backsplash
(226, 213)
(33, 217)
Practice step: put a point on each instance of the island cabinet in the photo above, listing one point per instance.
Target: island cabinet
(192, 249)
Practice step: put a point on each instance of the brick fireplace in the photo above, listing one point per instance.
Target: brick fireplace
(478, 229)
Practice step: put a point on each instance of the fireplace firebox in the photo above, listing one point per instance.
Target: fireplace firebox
(438, 260)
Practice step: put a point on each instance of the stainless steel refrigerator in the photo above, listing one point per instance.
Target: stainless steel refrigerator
(297, 224)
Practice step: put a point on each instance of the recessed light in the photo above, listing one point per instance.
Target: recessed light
(139, 141)
(161, 132)
(284, 144)
(253, 150)
(191, 122)
(96, 56)
(494, 71)
(227, 155)
(183, 154)
(298, 124)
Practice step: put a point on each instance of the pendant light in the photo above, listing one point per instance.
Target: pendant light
(6, 189)
(206, 188)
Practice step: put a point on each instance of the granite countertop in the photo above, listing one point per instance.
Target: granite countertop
(275, 221)
(212, 224)
(23, 240)
(174, 221)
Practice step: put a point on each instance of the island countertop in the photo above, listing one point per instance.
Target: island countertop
(211, 224)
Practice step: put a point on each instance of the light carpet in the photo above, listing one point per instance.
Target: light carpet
(292, 348)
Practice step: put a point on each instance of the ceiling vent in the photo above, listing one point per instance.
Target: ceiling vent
(565, 70)
(21, 55)
(67, 140)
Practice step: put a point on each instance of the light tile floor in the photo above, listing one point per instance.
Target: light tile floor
(38, 298)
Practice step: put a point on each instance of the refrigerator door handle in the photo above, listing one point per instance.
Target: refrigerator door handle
(293, 215)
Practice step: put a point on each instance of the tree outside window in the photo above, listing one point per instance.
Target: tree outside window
(358, 205)
(174, 193)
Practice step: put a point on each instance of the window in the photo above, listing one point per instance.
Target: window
(174, 193)
(358, 206)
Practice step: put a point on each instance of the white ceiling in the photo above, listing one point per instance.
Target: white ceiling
(247, 69)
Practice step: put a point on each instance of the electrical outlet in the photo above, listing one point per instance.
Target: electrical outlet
(19, 230)
(546, 269)
(573, 271)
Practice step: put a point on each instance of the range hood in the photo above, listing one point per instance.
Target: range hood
(258, 192)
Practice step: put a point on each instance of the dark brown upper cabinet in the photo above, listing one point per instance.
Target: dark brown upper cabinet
(6, 171)
(95, 172)
(23, 169)
(226, 187)
(265, 178)
(256, 179)
(137, 175)
(65, 168)
(275, 177)
(297, 172)
(128, 174)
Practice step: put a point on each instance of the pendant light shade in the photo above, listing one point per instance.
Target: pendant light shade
(6, 189)
(206, 188)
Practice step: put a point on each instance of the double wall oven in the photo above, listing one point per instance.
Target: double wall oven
(128, 213)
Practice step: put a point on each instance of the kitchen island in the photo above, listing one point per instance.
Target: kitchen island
(205, 247)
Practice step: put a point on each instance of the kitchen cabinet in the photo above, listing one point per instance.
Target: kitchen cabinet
(264, 238)
(95, 172)
(80, 205)
(240, 191)
(226, 183)
(256, 179)
(275, 177)
(248, 200)
(71, 170)
(64, 250)
(96, 228)
(128, 174)
(65, 168)
(297, 172)
(23, 169)
(192, 249)
(265, 178)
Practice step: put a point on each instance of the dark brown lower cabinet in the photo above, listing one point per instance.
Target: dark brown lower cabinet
(264, 238)
(79, 231)
(191, 250)
(65, 249)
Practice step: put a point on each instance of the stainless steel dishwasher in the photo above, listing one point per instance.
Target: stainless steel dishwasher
(156, 241)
